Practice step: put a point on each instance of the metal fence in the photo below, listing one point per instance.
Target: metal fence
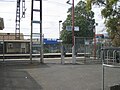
(110, 59)
(83, 45)
(90, 47)
(9, 46)
(19, 49)
(52, 48)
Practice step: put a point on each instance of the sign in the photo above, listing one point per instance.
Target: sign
(86, 42)
(69, 28)
(99, 35)
(60, 41)
(36, 35)
(50, 41)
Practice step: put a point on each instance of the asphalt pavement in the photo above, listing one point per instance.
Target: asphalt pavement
(55, 76)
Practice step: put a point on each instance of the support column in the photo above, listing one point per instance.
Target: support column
(39, 10)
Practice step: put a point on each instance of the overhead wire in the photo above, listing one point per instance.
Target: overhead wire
(61, 4)
(49, 1)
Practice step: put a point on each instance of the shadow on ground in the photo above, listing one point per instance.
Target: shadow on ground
(12, 77)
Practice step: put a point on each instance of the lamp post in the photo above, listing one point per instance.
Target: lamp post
(59, 28)
(73, 41)
(94, 43)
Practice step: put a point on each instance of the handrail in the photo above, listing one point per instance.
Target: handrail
(111, 48)
(111, 66)
(107, 50)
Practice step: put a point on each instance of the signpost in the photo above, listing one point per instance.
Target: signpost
(73, 28)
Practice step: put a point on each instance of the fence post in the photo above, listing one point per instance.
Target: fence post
(102, 57)
(114, 55)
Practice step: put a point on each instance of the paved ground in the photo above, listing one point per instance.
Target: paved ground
(54, 76)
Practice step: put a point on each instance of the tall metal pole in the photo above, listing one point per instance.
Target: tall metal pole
(94, 43)
(72, 23)
(103, 68)
(41, 39)
(73, 39)
(96, 24)
(17, 27)
(31, 31)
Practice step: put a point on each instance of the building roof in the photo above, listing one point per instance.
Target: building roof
(10, 36)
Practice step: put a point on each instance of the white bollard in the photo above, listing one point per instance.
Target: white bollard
(62, 55)
(73, 55)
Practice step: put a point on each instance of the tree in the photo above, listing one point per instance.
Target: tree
(111, 13)
(83, 19)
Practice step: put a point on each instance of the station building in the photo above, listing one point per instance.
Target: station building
(8, 44)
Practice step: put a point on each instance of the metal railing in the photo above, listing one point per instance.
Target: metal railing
(110, 58)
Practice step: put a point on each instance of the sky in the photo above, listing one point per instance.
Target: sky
(53, 12)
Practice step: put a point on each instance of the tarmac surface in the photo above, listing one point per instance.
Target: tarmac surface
(55, 76)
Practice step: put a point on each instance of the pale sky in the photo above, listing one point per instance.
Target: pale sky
(53, 11)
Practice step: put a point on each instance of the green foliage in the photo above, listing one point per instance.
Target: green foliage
(111, 13)
(106, 12)
(88, 4)
(66, 36)
(83, 19)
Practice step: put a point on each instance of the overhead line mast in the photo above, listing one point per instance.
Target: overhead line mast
(39, 22)
(18, 17)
